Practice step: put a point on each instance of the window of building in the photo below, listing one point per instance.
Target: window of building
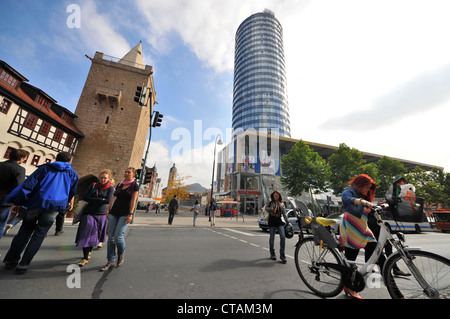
(35, 160)
(45, 128)
(30, 121)
(69, 141)
(9, 79)
(43, 101)
(66, 117)
(58, 135)
(48, 160)
(4, 107)
(8, 151)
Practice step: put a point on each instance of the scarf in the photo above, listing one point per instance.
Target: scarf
(102, 186)
(129, 190)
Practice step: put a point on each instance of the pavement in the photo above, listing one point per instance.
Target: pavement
(184, 218)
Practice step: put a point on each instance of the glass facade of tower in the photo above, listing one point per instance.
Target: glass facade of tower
(260, 99)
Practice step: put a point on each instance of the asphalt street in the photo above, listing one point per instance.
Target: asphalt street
(229, 261)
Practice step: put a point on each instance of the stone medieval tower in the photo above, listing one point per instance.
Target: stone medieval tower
(114, 125)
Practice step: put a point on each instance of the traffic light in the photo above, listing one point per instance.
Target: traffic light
(138, 173)
(147, 177)
(141, 95)
(157, 119)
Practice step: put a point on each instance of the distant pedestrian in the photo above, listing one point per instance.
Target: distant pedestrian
(212, 211)
(12, 174)
(119, 215)
(173, 206)
(196, 211)
(92, 229)
(44, 193)
(276, 209)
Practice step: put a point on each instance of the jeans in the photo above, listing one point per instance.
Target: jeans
(4, 215)
(36, 223)
(116, 230)
(171, 215)
(272, 232)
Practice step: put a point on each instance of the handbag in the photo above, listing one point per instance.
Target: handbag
(79, 211)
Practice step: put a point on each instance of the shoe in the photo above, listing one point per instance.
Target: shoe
(401, 273)
(7, 229)
(273, 257)
(352, 293)
(283, 259)
(89, 255)
(100, 245)
(82, 262)
(59, 232)
(120, 260)
(108, 265)
(21, 271)
(10, 266)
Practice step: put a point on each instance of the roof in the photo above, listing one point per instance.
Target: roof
(134, 58)
(20, 96)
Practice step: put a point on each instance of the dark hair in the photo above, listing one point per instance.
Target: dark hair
(64, 157)
(15, 154)
(279, 194)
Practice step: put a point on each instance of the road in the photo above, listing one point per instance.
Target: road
(229, 261)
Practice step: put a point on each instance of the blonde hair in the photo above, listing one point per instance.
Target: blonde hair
(109, 172)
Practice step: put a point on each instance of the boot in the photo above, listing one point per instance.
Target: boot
(108, 265)
(120, 260)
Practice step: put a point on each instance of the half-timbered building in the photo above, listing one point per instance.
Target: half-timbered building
(31, 119)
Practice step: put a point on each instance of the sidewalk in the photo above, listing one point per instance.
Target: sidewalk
(185, 219)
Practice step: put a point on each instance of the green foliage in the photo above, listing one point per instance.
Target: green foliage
(304, 170)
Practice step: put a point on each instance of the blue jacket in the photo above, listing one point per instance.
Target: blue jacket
(348, 202)
(50, 187)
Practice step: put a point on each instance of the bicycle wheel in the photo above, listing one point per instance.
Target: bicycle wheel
(323, 281)
(433, 268)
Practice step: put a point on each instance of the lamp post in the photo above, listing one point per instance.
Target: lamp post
(211, 216)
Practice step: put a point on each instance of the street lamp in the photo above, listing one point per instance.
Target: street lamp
(211, 216)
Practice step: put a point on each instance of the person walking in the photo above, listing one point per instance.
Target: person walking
(354, 231)
(119, 215)
(196, 211)
(44, 193)
(212, 212)
(276, 209)
(12, 174)
(173, 206)
(92, 228)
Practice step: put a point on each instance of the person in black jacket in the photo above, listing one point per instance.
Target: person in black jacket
(173, 206)
(11, 176)
(92, 228)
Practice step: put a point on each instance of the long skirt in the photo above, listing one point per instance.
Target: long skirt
(354, 231)
(91, 231)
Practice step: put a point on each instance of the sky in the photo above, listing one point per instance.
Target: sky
(373, 74)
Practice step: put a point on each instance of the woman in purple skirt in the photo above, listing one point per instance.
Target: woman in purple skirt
(92, 228)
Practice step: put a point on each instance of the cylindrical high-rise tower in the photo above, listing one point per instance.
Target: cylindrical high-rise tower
(260, 99)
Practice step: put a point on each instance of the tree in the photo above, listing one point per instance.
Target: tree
(345, 163)
(176, 187)
(304, 170)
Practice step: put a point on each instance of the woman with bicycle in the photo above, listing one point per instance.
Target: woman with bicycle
(275, 208)
(354, 231)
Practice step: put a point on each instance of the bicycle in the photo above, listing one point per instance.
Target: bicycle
(322, 266)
